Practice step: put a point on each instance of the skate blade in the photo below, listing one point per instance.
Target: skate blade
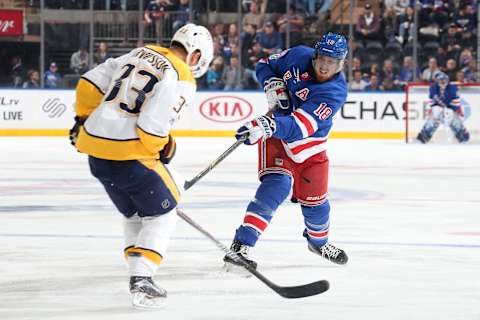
(142, 302)
(238, 270)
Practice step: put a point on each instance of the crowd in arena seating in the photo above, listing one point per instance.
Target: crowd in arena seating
(382, 46)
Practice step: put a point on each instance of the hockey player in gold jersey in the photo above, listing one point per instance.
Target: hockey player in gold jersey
(126, 108)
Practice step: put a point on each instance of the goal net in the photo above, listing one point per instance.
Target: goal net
(417, 105)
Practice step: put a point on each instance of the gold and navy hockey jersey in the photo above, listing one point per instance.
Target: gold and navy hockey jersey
(132, 102)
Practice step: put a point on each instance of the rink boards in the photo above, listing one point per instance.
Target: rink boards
(215, 113)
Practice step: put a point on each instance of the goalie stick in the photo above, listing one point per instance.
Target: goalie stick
(189, 183)
(290, 292)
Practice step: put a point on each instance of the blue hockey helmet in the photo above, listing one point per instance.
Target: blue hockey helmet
(332, 45)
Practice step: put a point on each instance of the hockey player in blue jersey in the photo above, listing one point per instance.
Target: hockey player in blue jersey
(304, 87)
(445, 108)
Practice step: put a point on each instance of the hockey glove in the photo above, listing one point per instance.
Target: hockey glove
(277, 94)
(168, 151)
(260, 128)
(73, 133)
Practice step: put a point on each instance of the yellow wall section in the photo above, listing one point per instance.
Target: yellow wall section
(205, 133)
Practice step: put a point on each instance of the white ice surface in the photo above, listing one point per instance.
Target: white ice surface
(407, 215)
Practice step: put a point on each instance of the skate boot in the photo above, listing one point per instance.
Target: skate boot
(423, 137)
(328, 251)
(239, 251)
(146, 294)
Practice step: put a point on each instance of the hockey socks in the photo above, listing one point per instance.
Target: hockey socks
(317, 223)
(273, 190)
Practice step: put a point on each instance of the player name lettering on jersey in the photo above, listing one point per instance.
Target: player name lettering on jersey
(156, 60)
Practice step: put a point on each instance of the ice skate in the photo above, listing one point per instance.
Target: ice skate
(146, 294)
(330, 252)
(232, 263)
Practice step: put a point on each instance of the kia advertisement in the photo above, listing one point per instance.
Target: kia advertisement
(218, 110)
(226, 109)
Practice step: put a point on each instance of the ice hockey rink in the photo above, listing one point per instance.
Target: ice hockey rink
(407, 215)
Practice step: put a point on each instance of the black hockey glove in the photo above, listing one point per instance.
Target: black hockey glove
(73, 133)
(168, 151)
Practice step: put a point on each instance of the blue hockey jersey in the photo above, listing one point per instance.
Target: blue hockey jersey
(305, 127)
(444, 98)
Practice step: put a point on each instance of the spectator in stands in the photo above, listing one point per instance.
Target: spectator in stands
(51, 77)
(232, 75)
(155, 15)
(102, 54)
(464, 19)
(451, 37)
(368, 24)
(389, 24)
(182, 16)
(453, 52)
(389, 85)
(398, 6)
(451, 69)
(465, 57)
(375, 69)
(431, 71)
(470, 71)
(17, 72)
(356, 63)
(357, 84)
(214, 74)
(218, 35)
(253, 17)
(247, 37)
(406, 26)
(406, 72)
(231, 40)
(79, 61)
(460, 76)
(441, 57)
(295, 22)
(33, 81)
(434, 11)
(269, 39)
(388, 71)
(254, 54)
(373, 85)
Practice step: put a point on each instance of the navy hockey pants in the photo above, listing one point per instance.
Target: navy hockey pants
(137, 187)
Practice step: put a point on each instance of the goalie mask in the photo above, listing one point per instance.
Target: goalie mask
(193, 37)
(442, 79)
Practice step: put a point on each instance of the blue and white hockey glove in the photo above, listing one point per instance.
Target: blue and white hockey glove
(258, 129)
(168, 151)
(277, 94)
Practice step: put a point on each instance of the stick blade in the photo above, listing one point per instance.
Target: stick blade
(303, 291)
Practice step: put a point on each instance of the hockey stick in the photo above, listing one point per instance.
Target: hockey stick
(188, 184)
(302, 291)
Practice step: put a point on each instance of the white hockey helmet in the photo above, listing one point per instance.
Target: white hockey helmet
(193, 37)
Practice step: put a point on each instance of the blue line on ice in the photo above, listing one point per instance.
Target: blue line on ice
(372, 243)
